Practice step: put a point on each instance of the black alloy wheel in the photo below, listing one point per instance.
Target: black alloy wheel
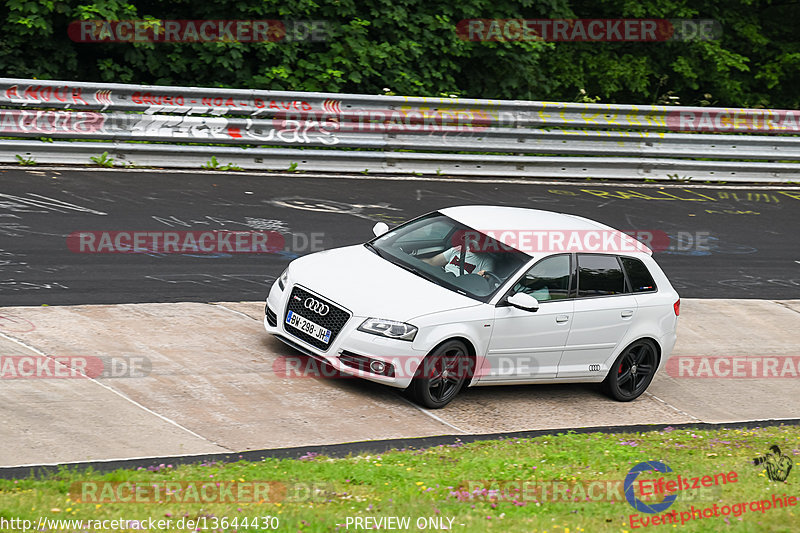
(633, 371)
(441, 375)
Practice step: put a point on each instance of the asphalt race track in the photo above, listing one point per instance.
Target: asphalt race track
(213, 381)
(724, 241)
(207, 379)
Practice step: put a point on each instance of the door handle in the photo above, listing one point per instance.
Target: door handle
(627, 313)
(562, 318)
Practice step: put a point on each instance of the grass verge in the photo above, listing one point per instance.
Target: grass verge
(563, 483)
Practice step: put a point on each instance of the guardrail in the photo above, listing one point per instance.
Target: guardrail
(270, 130)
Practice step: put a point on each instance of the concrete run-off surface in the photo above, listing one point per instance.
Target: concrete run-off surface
(213, 385)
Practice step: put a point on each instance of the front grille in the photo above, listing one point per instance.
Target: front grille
(272, 318)
(334, 320)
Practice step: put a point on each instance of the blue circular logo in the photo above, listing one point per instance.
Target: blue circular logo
(638, 504)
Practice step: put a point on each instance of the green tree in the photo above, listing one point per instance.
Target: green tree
(412, 48)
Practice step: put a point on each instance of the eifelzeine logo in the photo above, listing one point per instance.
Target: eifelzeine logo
(668, 488)
(638, 504)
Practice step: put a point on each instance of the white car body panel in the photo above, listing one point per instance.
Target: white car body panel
(535, 340)
(599, 327)
(357, 278)
(557, 343)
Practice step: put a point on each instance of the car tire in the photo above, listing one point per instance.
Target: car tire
(441, 375)
(632, 372)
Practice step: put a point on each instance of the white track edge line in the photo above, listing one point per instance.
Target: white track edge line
(425, 411)
(438, 419)
(245, 315)
(112, 390)
(650, 394)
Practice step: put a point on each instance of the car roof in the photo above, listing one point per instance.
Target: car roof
(499, 219)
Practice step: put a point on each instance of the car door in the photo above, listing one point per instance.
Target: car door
(527, 345)
(603, 312)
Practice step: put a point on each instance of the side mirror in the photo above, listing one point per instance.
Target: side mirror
(523, 301)
(380, 228)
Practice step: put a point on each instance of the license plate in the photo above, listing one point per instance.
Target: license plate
(308, 327)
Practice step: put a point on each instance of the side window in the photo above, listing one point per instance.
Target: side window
(599, 275)
(638, 275)
(546, 280)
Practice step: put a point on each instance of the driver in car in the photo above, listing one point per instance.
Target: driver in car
(474, 262)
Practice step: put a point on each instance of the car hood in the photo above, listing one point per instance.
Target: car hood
(371, 286)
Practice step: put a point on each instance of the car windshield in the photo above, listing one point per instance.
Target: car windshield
(450, 254)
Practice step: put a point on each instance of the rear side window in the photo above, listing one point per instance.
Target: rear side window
(638, 275)
(599, 275)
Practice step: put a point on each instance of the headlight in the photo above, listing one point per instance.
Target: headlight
(282, 279)
(389, 328)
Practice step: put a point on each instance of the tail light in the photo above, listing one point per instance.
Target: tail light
(677, 307)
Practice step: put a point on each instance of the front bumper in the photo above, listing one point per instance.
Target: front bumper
(397, 353)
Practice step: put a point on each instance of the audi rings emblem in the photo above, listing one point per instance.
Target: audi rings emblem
(315, 305)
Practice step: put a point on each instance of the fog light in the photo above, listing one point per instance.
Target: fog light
(377, 367)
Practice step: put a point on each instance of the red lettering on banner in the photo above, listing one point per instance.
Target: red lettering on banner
(44, 93)
(31, 92)
(76, 95)
(287, 105)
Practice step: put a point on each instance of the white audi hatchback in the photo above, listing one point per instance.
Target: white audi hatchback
(482, 295)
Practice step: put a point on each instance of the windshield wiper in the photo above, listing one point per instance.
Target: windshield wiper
(372, 247)
(418, 272)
